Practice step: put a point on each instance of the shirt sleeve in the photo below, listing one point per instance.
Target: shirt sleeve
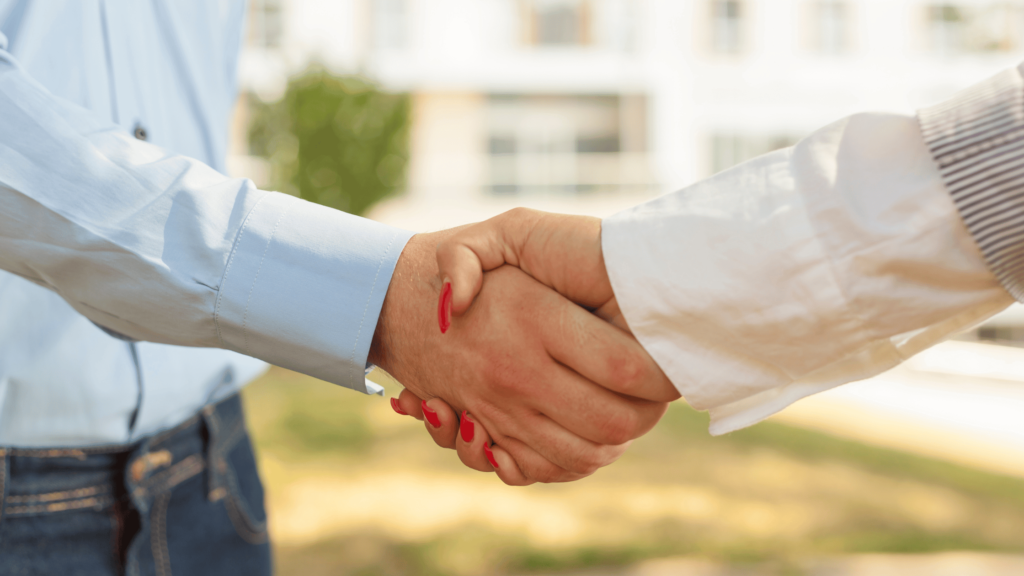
(161, 247)
(801, 270)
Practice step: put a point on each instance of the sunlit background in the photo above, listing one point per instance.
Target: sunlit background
(427, 114)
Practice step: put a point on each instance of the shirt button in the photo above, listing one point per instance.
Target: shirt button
(140, 132)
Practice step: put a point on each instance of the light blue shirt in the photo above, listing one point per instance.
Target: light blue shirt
(149, 239)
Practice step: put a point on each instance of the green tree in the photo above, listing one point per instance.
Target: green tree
(337, 141)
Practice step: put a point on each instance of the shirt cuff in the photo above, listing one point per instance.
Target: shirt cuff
(977, 140)
(304, 286)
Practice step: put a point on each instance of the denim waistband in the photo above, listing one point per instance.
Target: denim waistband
(50, 480)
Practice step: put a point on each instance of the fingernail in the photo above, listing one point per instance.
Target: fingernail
(490, 456)
(444, 307)
(430, 415)
(398, 407)
(466, 428)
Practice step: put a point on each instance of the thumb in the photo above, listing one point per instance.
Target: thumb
(463, 258)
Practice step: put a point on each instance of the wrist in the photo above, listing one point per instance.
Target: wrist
(406, 313)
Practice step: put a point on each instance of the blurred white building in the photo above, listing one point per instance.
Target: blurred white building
(591, 105)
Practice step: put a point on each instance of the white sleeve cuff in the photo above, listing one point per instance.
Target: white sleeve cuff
(304, 286)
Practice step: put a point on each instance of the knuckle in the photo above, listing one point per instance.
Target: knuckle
(630, 371)
(620, 428)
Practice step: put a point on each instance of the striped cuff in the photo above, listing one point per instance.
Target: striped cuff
(977, 140)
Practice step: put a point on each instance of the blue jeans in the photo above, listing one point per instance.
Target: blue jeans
(187, 501)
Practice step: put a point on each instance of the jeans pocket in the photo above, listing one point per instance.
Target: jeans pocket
(244, 501)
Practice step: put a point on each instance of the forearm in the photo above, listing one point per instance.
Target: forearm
(160, 247)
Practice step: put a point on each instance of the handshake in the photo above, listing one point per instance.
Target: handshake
(528, 368)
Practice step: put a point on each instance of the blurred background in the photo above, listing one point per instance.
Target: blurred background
(427, 114)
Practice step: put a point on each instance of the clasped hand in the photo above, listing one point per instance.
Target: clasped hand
(528, 368)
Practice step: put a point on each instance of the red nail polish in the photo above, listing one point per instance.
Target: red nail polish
(398, 407)
(444, 308)
(430, 415)
(467, 428)
(490, 456)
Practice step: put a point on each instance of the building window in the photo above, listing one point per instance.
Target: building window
(557, 22)
(267, 26)
(974, 28)
(390, 24)
(727, 26)
(566, 144)
(729, 149)
(830, 26)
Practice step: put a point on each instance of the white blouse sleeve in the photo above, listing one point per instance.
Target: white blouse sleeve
(799, 271)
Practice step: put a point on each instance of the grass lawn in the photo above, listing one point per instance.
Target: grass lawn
(353, 488)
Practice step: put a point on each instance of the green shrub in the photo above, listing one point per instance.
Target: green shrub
(337, 141)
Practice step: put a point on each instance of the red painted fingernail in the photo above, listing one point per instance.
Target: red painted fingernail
(444, 308)
(466, 428)
(398, 407)
(430, 415)
(490, 456)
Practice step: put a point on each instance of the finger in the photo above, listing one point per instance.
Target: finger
(531, 465)
(507, 468)
(554, 444)
(460, 269)
(408, 404)
(463, 258)
(606, 356)
(441, 422)
(477, 451)
(591, 411)
(471, 443)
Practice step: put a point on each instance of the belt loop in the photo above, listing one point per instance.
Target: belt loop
(216, 466)
(5, 460)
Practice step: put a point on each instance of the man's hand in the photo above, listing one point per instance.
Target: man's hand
(546, 379)
(559, 250)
